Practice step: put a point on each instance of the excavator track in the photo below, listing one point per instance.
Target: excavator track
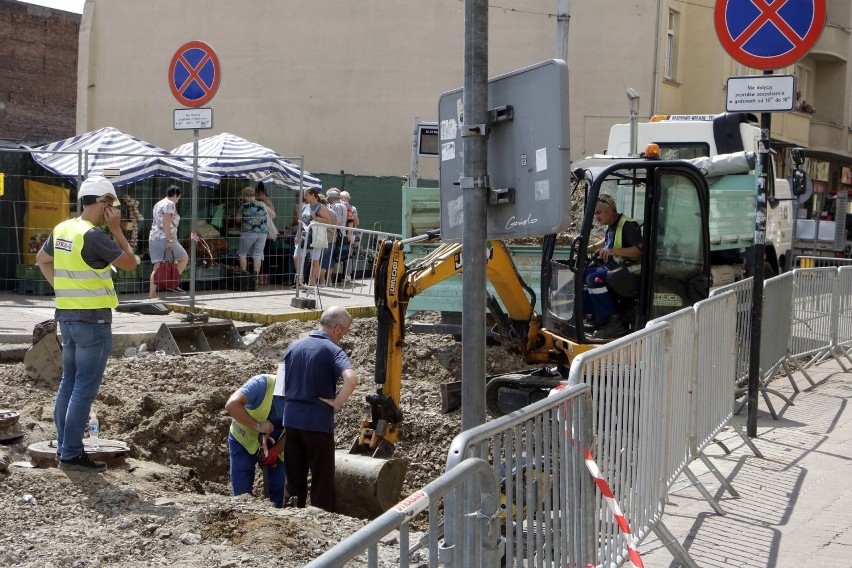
(512, 391)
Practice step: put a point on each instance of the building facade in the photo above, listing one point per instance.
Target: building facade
(38, 72)
(341, 82)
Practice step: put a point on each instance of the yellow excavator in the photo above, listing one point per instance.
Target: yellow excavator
(670, 199)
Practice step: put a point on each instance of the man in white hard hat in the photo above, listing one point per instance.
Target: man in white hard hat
(76, 260)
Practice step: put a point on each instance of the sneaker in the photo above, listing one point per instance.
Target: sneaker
(82, 463)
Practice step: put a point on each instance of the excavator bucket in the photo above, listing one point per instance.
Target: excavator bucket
(367, 486)
(193, 338)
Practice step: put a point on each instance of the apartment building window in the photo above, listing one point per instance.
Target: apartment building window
(671, 45)
(804, 89)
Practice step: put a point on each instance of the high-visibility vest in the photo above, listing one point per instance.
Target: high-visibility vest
(77, 285)
(632, 264)
(249, 438)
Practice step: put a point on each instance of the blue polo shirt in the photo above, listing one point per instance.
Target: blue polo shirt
(312, 366)
(255, 390)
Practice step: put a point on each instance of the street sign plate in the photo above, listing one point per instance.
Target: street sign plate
(769, 34)
(761, 93)
(193, 118)
(194, 74)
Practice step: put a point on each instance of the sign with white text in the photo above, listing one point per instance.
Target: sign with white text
(193, 118)
(761, 93)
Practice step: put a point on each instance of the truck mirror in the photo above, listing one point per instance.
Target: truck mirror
(798, 156)
(799, 182)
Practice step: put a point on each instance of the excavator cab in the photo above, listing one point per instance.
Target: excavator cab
(669, 200)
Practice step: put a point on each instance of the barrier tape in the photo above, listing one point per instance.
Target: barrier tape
(632, 552)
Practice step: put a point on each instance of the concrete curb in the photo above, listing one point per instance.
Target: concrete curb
(267, 319)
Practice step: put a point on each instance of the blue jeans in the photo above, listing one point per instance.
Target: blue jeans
(243, 467)
(85, 350)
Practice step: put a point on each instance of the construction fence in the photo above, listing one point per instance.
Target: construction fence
(583, 476)
(33, 201)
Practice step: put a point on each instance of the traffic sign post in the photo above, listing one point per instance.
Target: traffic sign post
(767, 35)
(194, 75)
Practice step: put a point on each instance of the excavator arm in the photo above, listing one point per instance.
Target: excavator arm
(517, 325)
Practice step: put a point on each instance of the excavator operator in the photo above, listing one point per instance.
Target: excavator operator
(621, 245)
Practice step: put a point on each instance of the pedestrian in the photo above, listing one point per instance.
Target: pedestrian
(312, 210)
(256, 436)
(270, 247)
(76, 259)
(331, 256)
(253, 232)
(351, 211)
(162, 240)
(313, 365)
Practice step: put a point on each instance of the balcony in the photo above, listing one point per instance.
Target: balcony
(833, 44)
(829, 138)
(793, 127)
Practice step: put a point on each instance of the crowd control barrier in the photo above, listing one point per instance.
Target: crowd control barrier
(350, 258)
(641, 408)
(537, 456)
(820, 261)
(842, 336)
(477, 538)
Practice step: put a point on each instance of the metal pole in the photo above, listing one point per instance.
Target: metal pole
(474, 185)
(193, 226)
(633, 101)
(563, 10)
(412, 178)
(757, 284)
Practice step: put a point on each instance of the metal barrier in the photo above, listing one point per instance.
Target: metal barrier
(813, 300)
(630, 385)
(820, 261)
(537, 456)
(476, 539)
(351, 257)
(842, 337)
(743, 291)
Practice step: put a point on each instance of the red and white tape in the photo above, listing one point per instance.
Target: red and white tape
(632, 552)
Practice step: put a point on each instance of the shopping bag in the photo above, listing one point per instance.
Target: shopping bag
(167, 276)
(320, 236)
(271, 229)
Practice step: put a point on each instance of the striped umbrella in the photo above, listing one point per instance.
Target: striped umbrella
(230, 155)
(109, 148)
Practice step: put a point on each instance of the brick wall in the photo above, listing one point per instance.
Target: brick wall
(38, 72)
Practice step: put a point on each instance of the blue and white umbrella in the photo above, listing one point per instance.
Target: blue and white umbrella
(110, 149)
(230, 155)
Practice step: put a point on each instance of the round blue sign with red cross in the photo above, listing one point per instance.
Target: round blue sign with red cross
(769, 34)
(194, 74)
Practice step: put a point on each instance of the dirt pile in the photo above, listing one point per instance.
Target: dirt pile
(170, 504)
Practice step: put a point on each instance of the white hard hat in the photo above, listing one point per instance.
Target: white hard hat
(99, 187)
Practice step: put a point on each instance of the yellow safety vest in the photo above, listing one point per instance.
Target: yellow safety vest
(249, 438)
(631, 263)
(78, 286)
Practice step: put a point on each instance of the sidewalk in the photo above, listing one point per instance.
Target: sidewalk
(794, 506)
(246, 309)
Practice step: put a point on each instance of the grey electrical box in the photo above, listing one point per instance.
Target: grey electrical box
(528, 155)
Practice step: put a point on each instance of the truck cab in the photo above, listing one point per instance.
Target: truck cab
(684, 137)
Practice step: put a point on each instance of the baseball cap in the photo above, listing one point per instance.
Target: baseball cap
(100, 188)
(332, 193)
(607, 200)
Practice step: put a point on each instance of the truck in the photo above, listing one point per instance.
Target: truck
(696, 136)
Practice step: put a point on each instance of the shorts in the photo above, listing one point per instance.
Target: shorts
(157, 251)
(251, 244)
